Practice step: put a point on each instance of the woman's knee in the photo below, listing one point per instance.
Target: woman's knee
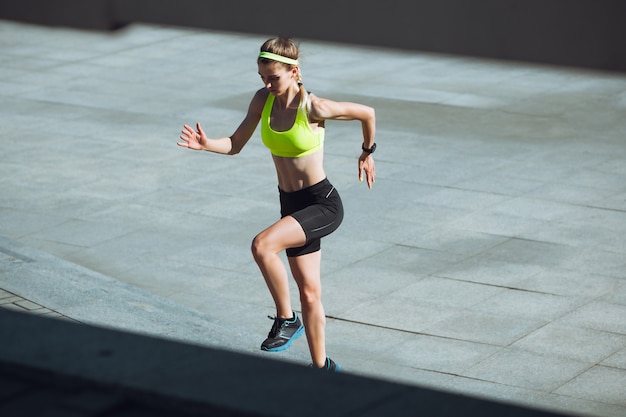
(263, 245)
(310, 297)
(258, 247)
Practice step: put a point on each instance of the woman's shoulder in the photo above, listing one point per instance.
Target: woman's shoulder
(313, 97)
(258, 100)
(318, 106)
(318, 101)
(261, 93)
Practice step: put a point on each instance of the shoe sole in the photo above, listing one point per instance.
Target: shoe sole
(296, 335)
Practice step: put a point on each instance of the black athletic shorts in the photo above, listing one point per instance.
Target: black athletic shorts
(319, 211)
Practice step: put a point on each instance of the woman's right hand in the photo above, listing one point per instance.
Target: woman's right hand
(193, 139)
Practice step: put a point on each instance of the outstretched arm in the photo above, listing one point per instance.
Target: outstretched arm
(322, 109)
(197, 140)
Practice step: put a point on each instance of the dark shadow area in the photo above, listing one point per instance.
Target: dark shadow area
(579, 33)
(54, 367)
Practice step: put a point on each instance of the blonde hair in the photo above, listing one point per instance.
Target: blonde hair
(286, 47)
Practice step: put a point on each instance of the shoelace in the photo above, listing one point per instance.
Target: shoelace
(275, 327)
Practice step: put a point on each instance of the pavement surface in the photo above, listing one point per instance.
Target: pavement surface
(488, 260)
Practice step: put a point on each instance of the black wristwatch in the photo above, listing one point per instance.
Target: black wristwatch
(369, 150)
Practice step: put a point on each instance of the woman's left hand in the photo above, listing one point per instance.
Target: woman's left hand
(366, 164)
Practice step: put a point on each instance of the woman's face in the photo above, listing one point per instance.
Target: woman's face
(277, 77)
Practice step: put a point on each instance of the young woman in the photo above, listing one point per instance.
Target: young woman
(292, 127)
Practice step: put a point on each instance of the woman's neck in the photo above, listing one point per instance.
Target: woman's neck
(290, 99)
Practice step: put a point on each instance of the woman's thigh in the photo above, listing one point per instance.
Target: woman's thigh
(285, 233)
(306, 272)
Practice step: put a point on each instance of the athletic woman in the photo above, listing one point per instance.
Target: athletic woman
(292, 128)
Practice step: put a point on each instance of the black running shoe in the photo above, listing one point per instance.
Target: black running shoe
(330, 366)
(283, 333)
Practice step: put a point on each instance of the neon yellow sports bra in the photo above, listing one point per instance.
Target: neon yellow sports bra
(299, 140)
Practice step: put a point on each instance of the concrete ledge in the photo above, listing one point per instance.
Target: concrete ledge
(584, 33)
(128, 371)
(93, 14)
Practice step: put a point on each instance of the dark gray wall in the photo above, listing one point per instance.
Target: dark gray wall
(583, 33)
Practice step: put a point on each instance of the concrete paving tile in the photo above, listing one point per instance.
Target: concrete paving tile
(529, 370)
(571, 283)
(492, 329)
(534, 208)
(339, 296)
(598, 315)
(342, 248)
(412, 259)
(408, 315)
(613, 164)
(528, 251)
(14, 88)
(615, 202)
(396, 373)
(618, 296)
(30, 65)
(618, 360)
(571, 194)
(449, 292)
(430, 174)
(599, 383)
(582, 235)
(585, 345)
(442, 354)
(250, 290)
(490, 271)
(499, 184)
(338, 301)
(234, 208)
(539, 168)
(77, 98)
(130, 251)
(69, 54)
(426, 217)
(156, 277)
(534, 399)
(499, 224)
(462, 242)
(57, 248)
(462, 199)
(412, 192)
(610, 219)
(18, 224)
(536, 306)
(375, 344)
(367, 279)
(596, 261)
(82, 233)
